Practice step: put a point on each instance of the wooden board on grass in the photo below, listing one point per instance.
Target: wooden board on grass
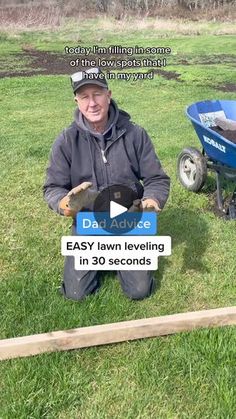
(115, 332)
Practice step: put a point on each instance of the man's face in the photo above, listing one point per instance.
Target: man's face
(93, 102)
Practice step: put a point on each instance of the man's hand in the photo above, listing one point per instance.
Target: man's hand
(150, 205)
(79, 197)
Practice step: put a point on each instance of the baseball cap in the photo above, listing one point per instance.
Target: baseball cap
(89, 76)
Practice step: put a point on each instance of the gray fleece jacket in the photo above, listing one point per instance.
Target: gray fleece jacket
(123, 154)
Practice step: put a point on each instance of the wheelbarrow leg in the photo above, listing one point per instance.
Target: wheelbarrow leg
(220, 200)
(230, 211)
(232, 207)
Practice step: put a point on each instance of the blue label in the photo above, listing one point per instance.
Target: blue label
(129, 224)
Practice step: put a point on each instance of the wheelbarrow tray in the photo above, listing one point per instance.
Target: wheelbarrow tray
(216, 147)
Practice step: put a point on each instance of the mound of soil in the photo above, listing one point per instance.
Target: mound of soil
(230, 135)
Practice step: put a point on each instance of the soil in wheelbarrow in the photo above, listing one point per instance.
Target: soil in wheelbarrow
(230, 135)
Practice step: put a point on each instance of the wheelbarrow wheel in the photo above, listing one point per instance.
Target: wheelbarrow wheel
(192, 169)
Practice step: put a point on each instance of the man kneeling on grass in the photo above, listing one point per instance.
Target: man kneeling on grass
(102, 147)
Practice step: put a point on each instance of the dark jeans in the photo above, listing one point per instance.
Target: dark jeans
(78, 284)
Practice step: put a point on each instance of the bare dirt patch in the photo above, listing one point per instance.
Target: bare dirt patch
(168, 74)
(208, 59)
(228, 87)
(49, 63)
(40, 62)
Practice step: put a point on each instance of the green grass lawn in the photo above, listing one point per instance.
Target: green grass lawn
(189, 375)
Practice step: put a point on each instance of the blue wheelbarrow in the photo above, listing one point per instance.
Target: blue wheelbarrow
(218, 154)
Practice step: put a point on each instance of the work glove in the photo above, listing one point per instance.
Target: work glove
(150, 204)
(136, 206)
(147, 204)
(79, 197)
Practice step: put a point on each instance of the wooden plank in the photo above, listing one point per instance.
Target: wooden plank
(115, 332)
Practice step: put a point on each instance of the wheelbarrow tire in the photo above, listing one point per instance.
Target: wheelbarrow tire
(191, 169)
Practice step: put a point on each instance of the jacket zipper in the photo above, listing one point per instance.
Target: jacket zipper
(104, 159)
(103, 156)
(104, 151)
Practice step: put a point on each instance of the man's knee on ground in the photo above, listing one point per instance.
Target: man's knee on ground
(139, 291)
(76, 295)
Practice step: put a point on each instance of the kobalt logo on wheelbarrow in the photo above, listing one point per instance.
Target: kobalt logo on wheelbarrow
(214, 144)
